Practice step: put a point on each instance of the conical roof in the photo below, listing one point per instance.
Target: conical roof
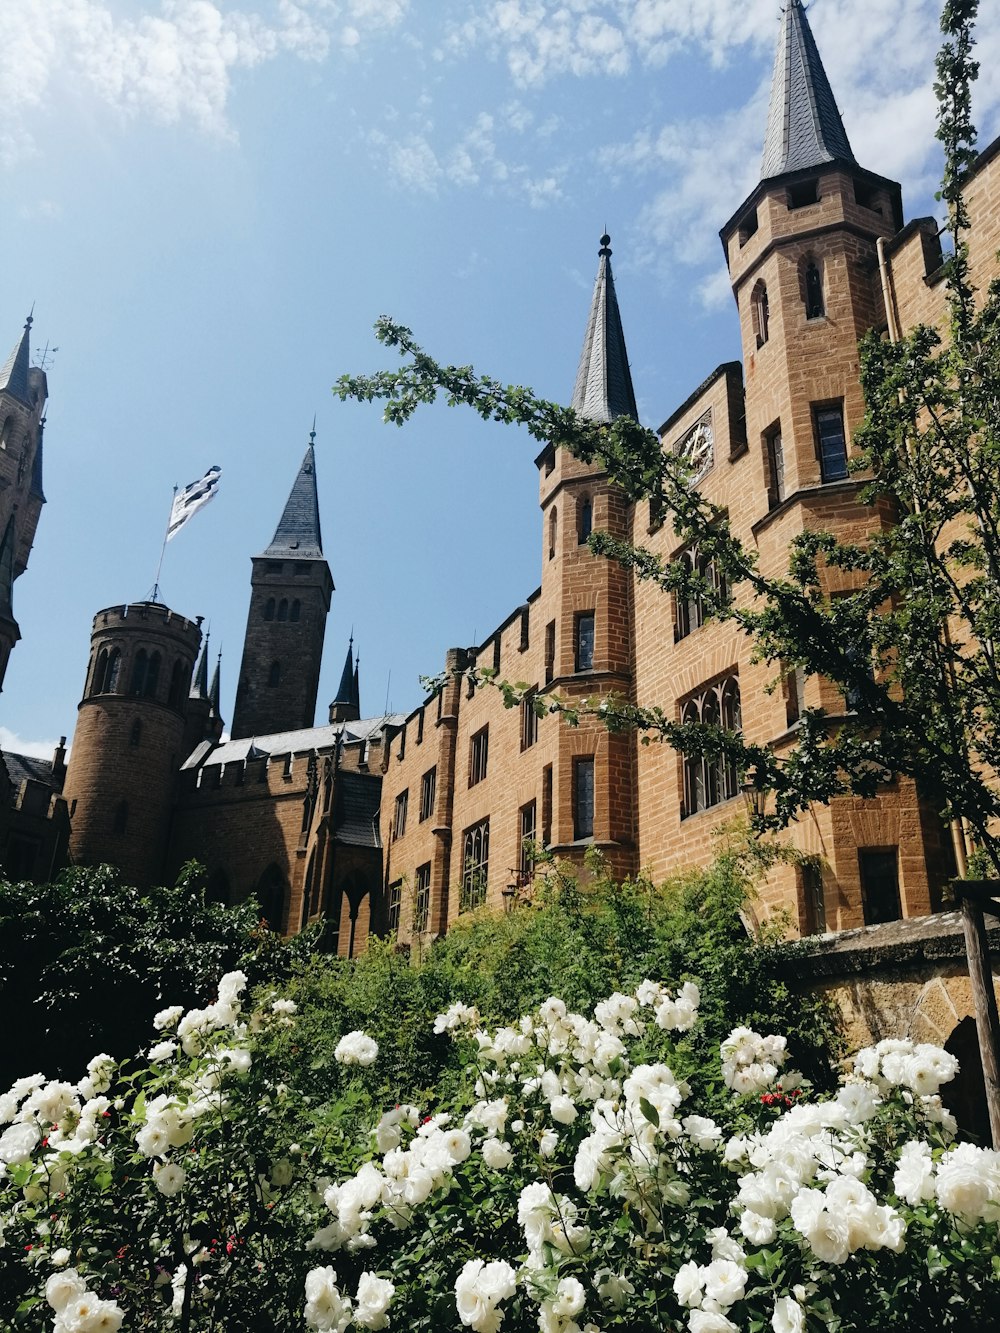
(7, 570)
(215, 689)
(297, 535)
(345, 690)
(356, 690)
(804, 128)
(14, 374)
(603, 381)
(199, 681)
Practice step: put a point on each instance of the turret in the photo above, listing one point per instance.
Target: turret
(346, 707)
(129, 740)
(290, 591)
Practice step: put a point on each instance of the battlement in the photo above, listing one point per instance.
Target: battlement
(152, 615)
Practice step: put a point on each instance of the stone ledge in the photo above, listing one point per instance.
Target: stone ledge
(889, 947)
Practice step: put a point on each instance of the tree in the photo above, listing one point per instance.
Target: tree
(914, 647)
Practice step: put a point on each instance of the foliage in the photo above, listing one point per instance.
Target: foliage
(911, 645)
(568, 1183)
(85, 958)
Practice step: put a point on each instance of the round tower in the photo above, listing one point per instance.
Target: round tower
(129, 738)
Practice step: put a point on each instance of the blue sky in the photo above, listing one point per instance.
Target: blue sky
(211, 203)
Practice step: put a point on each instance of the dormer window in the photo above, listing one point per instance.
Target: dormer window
(866, 196)
(748, 227)
(803, 194)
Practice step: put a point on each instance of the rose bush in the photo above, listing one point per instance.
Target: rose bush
(569, 1185)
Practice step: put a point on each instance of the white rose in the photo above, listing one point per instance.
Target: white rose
(788, 1316)
(706, 1321)
(497, 1154)
(356, 1048)
(167, 1018)
(725, 1282)
(562, 1110)
(689, 1284)
(326, 1309)
(17, 1143)
(548, 1143)
(62, 1287)
(758, 1230)
(170, 1179)
(372, 1301)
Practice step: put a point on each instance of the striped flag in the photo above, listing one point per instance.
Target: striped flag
(191, 499)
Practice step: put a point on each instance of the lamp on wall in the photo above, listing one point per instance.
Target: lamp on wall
(755, 795)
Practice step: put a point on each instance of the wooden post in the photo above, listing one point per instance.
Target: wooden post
(974, 897)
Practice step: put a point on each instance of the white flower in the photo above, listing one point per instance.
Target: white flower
(170, 1178)
(914, 1176)
(63, 1287)
(479, 1289)
(562, 1110)
(372, 1301)
(706, 1321)
(788, 1316)
(757, 1229)
(163, 1050)
(60, 1257)
(231, 987)
(356, 1048)
(497, 1154)
(689, 1284)
(702, 1132)
(968, 1183)
(548, 1143)
(725, 1282)
(167, 1018)
(570, 1298)
(326, 1309)
(285, 1008)
(17, 1143)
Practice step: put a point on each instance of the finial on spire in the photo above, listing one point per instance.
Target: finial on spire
(605, 244)
(31, 318)
(312, 433)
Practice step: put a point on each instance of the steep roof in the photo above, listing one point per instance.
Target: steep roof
(14, 373)
(345, 690)
(7, 547)
(804, 128)
(199, 681)
(21, 766)
(297, 535)
(603, 388)
(356, 802)
(215, 689)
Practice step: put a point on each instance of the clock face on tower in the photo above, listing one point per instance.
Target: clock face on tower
(698, 447)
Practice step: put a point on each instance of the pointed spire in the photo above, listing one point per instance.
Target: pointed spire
(356, 691)
(14, 374)
(346, 687)
(297, 534)
(199, 681)
(804, 128)
(7, 547)
(603, 381)
(214, 690)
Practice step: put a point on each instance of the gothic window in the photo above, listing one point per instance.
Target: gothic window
(152, 676)
(831, 443)
(394, 907)
(6, 430)
(399, 817)
(550, 650)
(546, 805)
(880, 885)
(475, 865)
(710, 779)
(585, 641)
(113, 671)
(586, 523)
(269, 609)
(760, 313)
(812, 281)
(553, 525)
(274, 675)
(296, 610)
(691, 611)
(139, 668)
(100, 672)
(528, 837)
(583, 797)
(775, 465)
(422, 897)
(813, 904)
(529, 720)
(479, 751)
(176, 691)
(135, 736)
(428, 789)
(120, 823)
(283, 609)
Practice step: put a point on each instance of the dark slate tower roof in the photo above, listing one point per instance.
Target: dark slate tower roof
(804, 128)
(14, 374)
(345, 691)
(215, 689)
(297, 535)
(199, 681)
(7, 545)
(356, 690)
(603, 381)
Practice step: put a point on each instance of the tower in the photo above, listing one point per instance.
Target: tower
(23, 392)
(290, 591)
(347, 705)
(586, 600)
(129, 740)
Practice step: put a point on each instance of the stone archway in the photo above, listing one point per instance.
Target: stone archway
(965, 1096)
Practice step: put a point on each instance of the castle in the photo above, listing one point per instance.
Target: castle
(398, 825)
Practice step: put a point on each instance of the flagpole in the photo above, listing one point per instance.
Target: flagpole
(154, 596)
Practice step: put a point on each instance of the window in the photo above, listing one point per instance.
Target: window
(113, 672)
(831, 443)
(152, 676)
(274, 675)
(283, 609)
(550, 650)
(760, 314)
(496, 654)
(393, 906)
(710, 779)
(585, 641)
(748, 227)
(525, 641)
(479, 753)
(553, 527)
(803, 194)
(547, 805)
(775, 466)
(475, 866)
(422, 897)
(879, 885)
(296, 610)
(867, 196)
(528, 836)
(269, 609)
(691, 611)
(176, 692)
(135, 735)
(399, 818)
(813, 904)
(139, 672)
(428, 788)
(585, 526)
(813, 281)
(794, 685)
(529, 720)
(100, 672)
(583, 798)
(120, 823)
(6, 431)
(420, 727)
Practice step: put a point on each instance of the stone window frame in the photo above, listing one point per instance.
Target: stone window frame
(479, 755)
(475, 865)
(711, 781)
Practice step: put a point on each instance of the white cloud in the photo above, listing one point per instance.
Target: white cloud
(10, 741)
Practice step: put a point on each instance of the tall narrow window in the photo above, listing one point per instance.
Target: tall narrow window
(586, 523)
(528, 836)
(710, 779)
(283, 609)
(775, 465)
(120, 824)
(546, 805)
(760, 313)
(475, 866)
(139, 672)
(553, 527)
(269, 608)
(813, 904)
(550, 651)
(880, 885)
(832, 443)
(100, 672)
(421, 897)
(274, 675)
(583, 798)
(393, 907)
(428, 788)
(815, 308)
(479, 753)
(529, 720)
(135, 736)
(794, 685)
(114, 671)
(296, 610)
(585, 641)
(152, 676)
(176, 691)
(399, 817)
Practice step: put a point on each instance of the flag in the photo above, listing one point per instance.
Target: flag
(191, 499)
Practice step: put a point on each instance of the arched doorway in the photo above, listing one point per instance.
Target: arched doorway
(965, 1096)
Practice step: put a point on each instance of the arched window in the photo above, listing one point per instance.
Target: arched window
(694, 771)
(274, 675)
(710, 779)
(760, 313)
(135, 736)
(308, 906)
(100, 672)
(283, 609)
(152, 676)
(139, 672)
(553, 528)
(121, 817)
(114, 671)
(296, 610)
(269, 609)
(812, 279)
(6, 431)
(176, 694)
(586, 520)
(271, 897)
(732, 720)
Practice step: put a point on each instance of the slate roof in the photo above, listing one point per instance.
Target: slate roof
(292, 742)
(356, 807)
(345, 691)
(298, 534)
(603, 387)
(14, 373)
(804, 128)
(7, 546)
(21, 766)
